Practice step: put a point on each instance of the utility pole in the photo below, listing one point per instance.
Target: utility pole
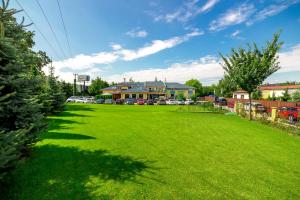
(74, 88)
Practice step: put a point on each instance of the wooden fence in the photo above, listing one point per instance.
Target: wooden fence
(266, 103)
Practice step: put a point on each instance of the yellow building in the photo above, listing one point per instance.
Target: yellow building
(149, 90)
(277, 90)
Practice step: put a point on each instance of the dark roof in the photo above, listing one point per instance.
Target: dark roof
(137, 90)
(154, 84)
(114, 87)
(173, 85)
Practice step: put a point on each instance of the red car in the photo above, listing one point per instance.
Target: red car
(140, 102)
(289, 113)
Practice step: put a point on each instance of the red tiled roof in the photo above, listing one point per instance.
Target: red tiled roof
(278, 87)
(240, 91)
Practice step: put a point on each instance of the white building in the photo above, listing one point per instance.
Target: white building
(240, 94)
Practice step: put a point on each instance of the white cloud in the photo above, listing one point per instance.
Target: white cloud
(116, 46)
(290, 60)
(236, 35)
(137, 33)
(233, 16)
(204, 68)
(186, 11)
(156, 46)
(93, 64)
(207, 69)
(272, 10)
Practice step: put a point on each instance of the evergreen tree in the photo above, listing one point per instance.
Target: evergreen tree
(20, 116)
(286, 96)
(296, 96)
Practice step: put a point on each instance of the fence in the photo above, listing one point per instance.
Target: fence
(266, 103)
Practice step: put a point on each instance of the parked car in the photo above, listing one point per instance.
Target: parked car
(189, 102)
(100, 101)
(119, 101)
(150, 102)
(140, 102)
(289, 113)
(79, 100)
(89, 100)
(129, 101)
(108, 101)
(180, 102)
(255, 105)
(71, 99)
(221, 101)
(161, 102)
(171, 102)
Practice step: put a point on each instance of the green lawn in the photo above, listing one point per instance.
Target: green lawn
(154, 152)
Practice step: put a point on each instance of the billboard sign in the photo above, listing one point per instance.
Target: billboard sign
(83, 78)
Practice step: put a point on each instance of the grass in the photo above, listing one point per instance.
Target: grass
(154, 152)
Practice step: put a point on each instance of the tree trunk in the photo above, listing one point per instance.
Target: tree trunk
(250, 107)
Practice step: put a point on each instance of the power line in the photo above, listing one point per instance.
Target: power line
(39, 30)
(48, 22)
(65, 29)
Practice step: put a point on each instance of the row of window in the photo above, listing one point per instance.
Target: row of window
(140, 96)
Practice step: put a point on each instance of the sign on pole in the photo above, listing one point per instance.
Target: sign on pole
(82, 78)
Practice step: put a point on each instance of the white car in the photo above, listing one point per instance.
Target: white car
(79, 100)
(71, 99)
(180, 102)
(189, 102)
(171, 102)
(89, 100)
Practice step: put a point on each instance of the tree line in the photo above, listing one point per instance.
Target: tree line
(27, 94)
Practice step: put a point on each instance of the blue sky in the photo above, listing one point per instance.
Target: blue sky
(169, 39)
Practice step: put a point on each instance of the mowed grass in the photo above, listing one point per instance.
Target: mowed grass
(154, 152)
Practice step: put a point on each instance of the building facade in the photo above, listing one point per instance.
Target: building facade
(277, 90)
(149, 90)
(240, 94)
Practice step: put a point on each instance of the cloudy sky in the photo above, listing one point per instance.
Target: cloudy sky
(168, 39)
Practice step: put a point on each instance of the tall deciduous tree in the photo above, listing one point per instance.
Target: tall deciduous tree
(96, 85)
(248, 68)
(196, 84)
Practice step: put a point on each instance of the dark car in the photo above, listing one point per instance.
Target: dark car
(129, 101)
(150, 102)
(289, 113)
(140, 102)
(119, 101)
(221, 101)
(161, 102)
(100, 101)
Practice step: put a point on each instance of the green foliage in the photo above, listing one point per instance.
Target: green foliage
(226, 87)
(20, 77)
(257, 94)
(180, 96)
(67, 88)
(208, 90)
(286, 96)
(194, 97)
(197, 85)
(296, 96)
(96, 86)
(248, 68)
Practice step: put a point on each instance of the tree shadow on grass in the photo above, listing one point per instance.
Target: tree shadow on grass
(78, 107)
(57, 123)
(70, 114)
(68, 173)
(66, 136)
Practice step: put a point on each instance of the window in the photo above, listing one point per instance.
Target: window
(235, 96)
(242, 96)
(140, 96)
(126, 96)
(133, 96)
